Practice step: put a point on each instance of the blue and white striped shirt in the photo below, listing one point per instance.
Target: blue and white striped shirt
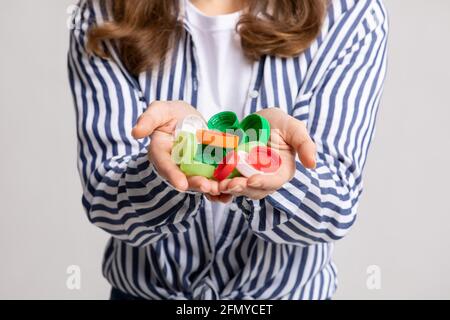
(163, 243)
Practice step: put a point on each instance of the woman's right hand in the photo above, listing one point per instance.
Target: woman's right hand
(159, 122)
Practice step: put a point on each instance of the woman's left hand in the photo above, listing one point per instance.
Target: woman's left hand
(289, 137)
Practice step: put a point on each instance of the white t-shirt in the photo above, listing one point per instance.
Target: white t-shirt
(224, 72)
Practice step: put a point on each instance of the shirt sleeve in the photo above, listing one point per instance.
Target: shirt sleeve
(339, 105)
(122, 192)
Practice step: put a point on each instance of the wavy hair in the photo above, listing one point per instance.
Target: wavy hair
(146, 30)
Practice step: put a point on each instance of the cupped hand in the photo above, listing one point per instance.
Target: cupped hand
(159, 122)
(289, 137)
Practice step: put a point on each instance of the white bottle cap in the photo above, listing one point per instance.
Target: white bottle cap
(244, 167)
(191, 124)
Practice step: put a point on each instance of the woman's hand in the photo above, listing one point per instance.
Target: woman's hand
(289, 137)
(159, 122)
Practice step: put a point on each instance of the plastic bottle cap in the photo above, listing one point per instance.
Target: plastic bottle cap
(190, 123)
(217, 139)
(184, 148)
(226, 168)
(244, 167)
(224, 121)
(241, 134)
(257, 128)
(260, 160)
(235, 174)
(198, 169)
(210, 154)
(200, 148)
(264, 159)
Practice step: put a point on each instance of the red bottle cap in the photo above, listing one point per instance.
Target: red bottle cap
(264, 159)
(226, 168)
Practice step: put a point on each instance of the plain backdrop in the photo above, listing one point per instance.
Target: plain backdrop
(403, 227)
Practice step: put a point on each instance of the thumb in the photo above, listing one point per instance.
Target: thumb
(157, 115)
(297, 137)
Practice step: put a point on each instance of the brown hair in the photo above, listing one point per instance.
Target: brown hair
(146, 30)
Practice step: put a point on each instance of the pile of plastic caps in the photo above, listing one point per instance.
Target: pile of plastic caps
(224, 147)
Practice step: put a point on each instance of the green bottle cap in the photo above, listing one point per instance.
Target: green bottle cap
(228, 122)
(242, 136)
(235, 174)
(198, 169)
(257, 128)
(209, 154)
(224, 121)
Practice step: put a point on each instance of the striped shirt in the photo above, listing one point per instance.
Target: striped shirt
(163, 243)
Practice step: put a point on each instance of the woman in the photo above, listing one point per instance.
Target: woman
(313, 68)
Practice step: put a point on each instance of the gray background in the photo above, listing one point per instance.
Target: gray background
(404, 218)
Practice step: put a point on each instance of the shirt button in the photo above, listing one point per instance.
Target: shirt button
(254, 94)
(195, 84)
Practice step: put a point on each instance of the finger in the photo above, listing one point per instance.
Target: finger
(239, 187)
(266, 182)
(167, 169)
(223, 185)
(199, 184)
(235, 186)
(298, 137)
(251, 193)
(157, 115)
(174, 176)
(204, 185)
(169, 127)
(256, 194)
(214, 188)
(295, 134)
